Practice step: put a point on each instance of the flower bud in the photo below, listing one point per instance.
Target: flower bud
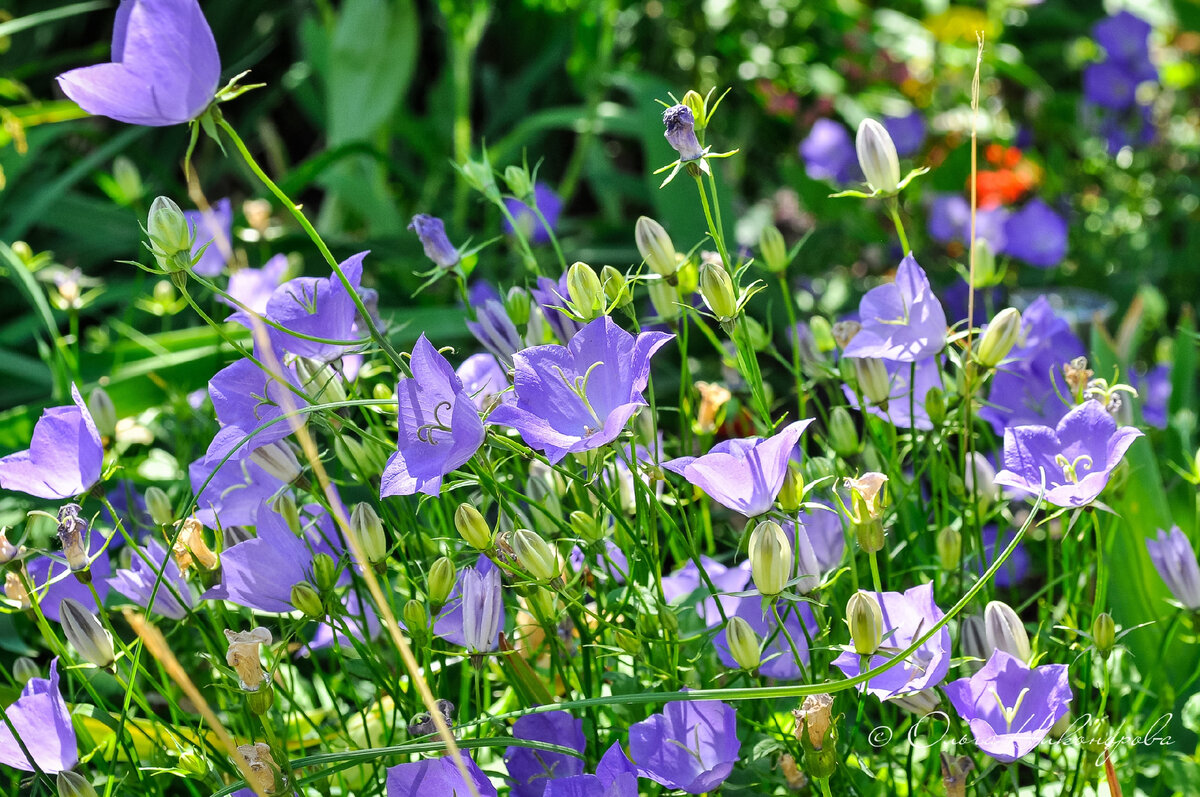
(791, 494)
(535, 555)
(695, 103)
(73, 535)
(1005, 631)
(655, 246)
(243, 654)
(949, 548)
(368, 530)
(877, 157)
(416, 619)
(718, 292)
(159, 506)
(1104, 634)
(822, 333)
(25, 669)
(935, 405)
(72, 784)
(843, 434)
(665, 298)
(170, 236)
(681, 132)
(628, 642)
(517, 305)
(770, 558)
(104, 412)
(999, 338)
(865, 617)
(193, 763)
(585, 291)
(473, 528)
(743, 643)
(305, 598)
(321, 381)
(972, 641)
(616, 287)
(382, 392)
(519, 182)
(479, 176)
(873, 380)
(773, 249)
(85, 633)
(325, 571)
(587, 527)
(441, 581)
(263, 769)
(986, 273)
(277, 459)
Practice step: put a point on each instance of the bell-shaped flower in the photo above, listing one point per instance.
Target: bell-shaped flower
(164, 70)
(432, 232)
(43, 723)
(530, 770)
(692, 745)
(1077, 457)
(229, 494)
(213, 233)
(579, 397)
(174, 597)
(1175, 561)
(828, 153)
(64, 458)
(244, 398)
(252, 287)
(439, 426)
(318, 307)
(486, 614)
(902, 320)
(439, 776)
(1009, 706)
(1036, 234)
(743, 474)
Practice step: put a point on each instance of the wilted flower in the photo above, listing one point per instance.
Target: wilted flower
(242, 655)
(1077, 458)
(530, 770)
(1009, 707)
(432, 232)
(681, 132)
(713, 398)
(437, 776)
(1175, 561)
(814, 718)
(691, 745)
(164, 70)
(190, 547)
(42, 720)
(902, 320)
(64, 457)
(261, 764)
(72, 535)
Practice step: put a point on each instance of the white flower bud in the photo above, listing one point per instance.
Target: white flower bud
(865, 617)
(1005, 631)
(770, 558)
(277, 459)
(655, 247)
(535, 555)
(743, 643)
(104, 412)
(85, 633)
(999, 338)
(873, 379)
(472, 527)
(877, 156)
(368, 530)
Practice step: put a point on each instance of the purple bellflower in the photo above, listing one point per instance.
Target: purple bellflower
(64, 458)
(438, 776)
(681, 132)
(743, 474)
(546, 201)
(495, 331)
(1077, 457)
(1015, 568)
(530, 770)
(253, 286)
(907, 616)
(432, 232)
(484, 380)
(1154, 390)
(906, 405)
(361, 621)
(579, 397)
(825, 534)
(439, 426)
(43, 722)
(319, 307)
(1110, 85)
(1009, 706)
(244, 397)
(1175, 561)
(691, 745)
(479, 628)
(1036, 234)
(950, 221)
(1124, 37)
(229, 494)
(212, 228)
(829, 153)
(164, 70)
(902, 320)
(174, 597)
(907, 132)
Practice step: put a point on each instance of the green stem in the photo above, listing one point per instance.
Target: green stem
(893, 206)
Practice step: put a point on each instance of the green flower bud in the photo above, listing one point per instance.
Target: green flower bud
(103, 411)
(1104, 634)
(999, 338)
(773, 248)
(170, 236)
(665, 298)
(472, 527)
(260, 700)
(325, 572)
(655, 247)
(986, 273)
(716, 288)
(322, 383)
(935, 406)
(588, 528)
(585, 291)
(159, 506)
(368, 530)
(285, 505)
(695, 103)
(24, 669)
(72, 784)
(382, 392)
(873, 380)
(843, 434)
(519, 182)
(193, 763)
(628, 642)
(743, 643)
(535, 555)
(1005, 631)
(616, 287)
(478, 175)
(517, 305)
(791, 495)
(687, 277)
(306, 599)
(86, 634)
(416, 619)
(441, 581)
(770, 558)
(877, 157)
(865, 618)
(949, 548)
(127, 178)
(822, 333)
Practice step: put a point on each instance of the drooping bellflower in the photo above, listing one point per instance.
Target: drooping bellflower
(487, 606)
(530, 770)
(691, 745)
(1175, 561)
(902, 320)
(432, 232)
(42, 720)
(64, 457)
(681, 132)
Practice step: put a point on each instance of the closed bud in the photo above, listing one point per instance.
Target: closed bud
(519, 182)
(416, 619)
(587, 527)
(170, 236)
(307, 600)
(972, 641)
(843, 434)
(986, 274)
(159, 506)
(628, 642)
(655, 247)
(321, 381)
(743, 643)
(85, 633)
(24, 669)
(791, 495)
(999, 338)
(949, 548)
(585, 291)
(773, 249)
(616, 287)
(325, 572)
(277, 459)
(103, 411)
(368, 530)
(441, 581)
(718, 292)
(243, 656)
(877, 157)
(1104, 634)
(822, 332)
(479, 176)
(193, 763)
(473, 528)
(382, 392)
(695, 103)
(1005, 631)
(665, 298)
(770, 558)
(935, 406)
(517, 304)
(72, 784)
(873, 380)
(865, 618)
(535, 555)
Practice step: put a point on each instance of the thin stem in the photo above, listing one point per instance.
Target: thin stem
(893, 206)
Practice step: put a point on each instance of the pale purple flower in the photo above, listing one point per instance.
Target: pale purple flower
(778, 656)
(439, 426)
(174, 597)
(530, 770)
(360, 620)
(743, 474)
(907, 132)
(437, 776)
(1154, 390)
(484, 380)
(487, 605)
(551, 296)
(907, 616)
(64, 457)
(902, 320)
(691, 745)
(432, 232)
(1009, 706)
(164, 70)
(1110, 85)
(495, 331)
(681, 132)
(319, 307)
(579, 397)
(546, 201)
(253, 286)
(244, 397)
(687, 580)
(825, 534)
(43, 722)
(1036, 234)
(1175, 561)
(213, 232)
(906, 406)
(829, 154)
(1077, 457)
(230, 494)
